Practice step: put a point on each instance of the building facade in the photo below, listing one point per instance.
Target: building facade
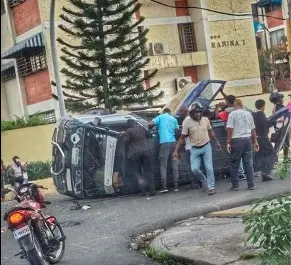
(274, 37)
(25, 69)
(183, 44)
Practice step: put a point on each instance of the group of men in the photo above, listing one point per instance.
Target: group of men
(246, 132)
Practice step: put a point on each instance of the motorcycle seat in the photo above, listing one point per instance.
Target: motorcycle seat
(14, 209)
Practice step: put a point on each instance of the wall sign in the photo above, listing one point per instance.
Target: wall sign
(217, 43)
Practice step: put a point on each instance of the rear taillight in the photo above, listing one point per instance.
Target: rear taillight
(16, 218)
(51, 220)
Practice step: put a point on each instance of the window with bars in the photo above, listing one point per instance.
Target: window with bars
(277, 37)
(8, 74)
(12, 3)
(32, 64)
(187, 37)
(273, 7)
(48, 116)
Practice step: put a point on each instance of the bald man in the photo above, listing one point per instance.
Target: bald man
(241, 140)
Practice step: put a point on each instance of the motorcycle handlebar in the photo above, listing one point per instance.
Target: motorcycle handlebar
(7, 190)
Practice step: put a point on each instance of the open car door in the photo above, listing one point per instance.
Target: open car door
(280, 119)
(203, 93)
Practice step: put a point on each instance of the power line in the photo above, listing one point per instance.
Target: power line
(214, 11)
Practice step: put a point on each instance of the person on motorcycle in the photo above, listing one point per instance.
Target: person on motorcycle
(18, 172)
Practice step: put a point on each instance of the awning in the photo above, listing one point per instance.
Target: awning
(263, 3)
(6, 66)
(25, 48)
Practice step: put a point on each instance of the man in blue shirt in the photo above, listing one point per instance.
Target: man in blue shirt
(167, 129)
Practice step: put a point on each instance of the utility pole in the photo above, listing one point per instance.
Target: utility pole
(55, 60)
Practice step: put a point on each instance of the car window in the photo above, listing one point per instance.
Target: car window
(208, 93)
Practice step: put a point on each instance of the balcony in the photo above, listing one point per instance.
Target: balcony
(177, 60)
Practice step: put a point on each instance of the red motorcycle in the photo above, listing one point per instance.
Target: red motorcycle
(40, 237)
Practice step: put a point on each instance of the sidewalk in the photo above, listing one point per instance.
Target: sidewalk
(215, 239)
(209, 240)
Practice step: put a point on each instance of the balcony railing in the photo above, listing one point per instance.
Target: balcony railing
(177, 60)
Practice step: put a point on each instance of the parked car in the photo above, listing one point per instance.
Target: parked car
(89, 156)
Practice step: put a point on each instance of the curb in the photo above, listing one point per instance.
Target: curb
(224, 207)
(47, 183)
(228, 213)
(202, 212)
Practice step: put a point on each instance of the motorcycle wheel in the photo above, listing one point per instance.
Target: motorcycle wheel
(35, 256)
(59, 253)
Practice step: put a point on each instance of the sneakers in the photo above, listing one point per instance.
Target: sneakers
(176, 189)
(211, 192)
(242, 177)
(251, 187)
(234, 188)
(266, 177)
(163, 190)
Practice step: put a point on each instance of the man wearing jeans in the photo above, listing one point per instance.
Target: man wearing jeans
(167, 129)
(199, 130)
(240, 134)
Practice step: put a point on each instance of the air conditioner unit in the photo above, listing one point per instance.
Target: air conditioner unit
(181, 82)
(158, 48)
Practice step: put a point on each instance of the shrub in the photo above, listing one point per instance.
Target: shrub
(38, 170)
(34, 120)
(165, 258)
(269, 226)
(283, 168)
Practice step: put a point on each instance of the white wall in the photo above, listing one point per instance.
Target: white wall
(167, 79)
(197, 19)
(4, 106)
(14, 99)
(6, 35)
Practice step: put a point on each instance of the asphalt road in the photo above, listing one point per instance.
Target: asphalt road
(103, 235)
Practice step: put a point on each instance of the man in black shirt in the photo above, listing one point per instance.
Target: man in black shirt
(265, 156)
(138, 152)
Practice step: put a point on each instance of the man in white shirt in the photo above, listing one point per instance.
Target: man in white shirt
(241, 137)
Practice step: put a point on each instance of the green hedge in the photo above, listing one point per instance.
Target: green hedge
(34, 120)
(39, 170)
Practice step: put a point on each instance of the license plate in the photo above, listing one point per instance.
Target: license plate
(21, 232)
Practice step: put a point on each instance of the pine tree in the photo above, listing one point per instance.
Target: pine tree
(105, 67)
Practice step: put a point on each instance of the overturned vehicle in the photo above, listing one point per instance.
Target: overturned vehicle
(89, 157)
